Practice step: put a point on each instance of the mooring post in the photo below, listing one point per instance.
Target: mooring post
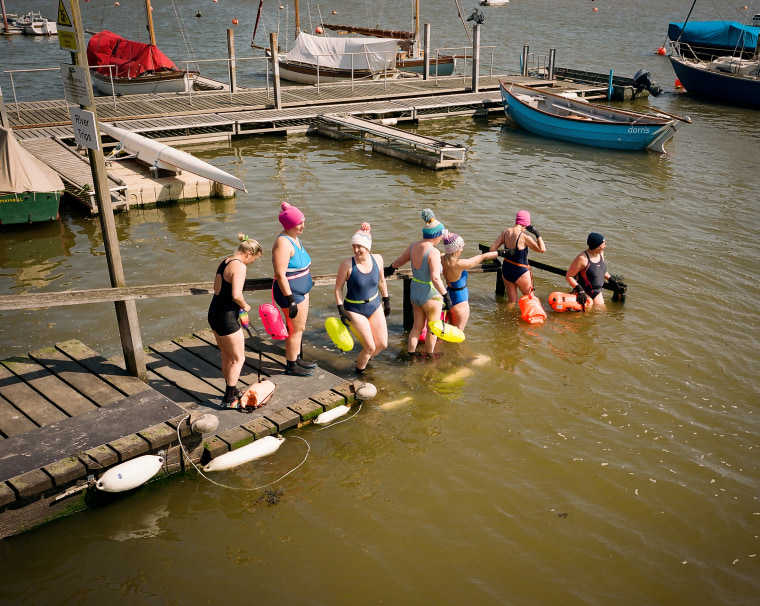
(552, 53)
(3, 115)
(408, 320)
(524, 66)
(475, 57)
(275, 71)
(231, 64)
(426, 53)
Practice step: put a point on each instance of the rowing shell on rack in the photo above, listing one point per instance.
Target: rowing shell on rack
(162, 156)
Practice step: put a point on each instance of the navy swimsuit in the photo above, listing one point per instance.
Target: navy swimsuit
(516, 263)
(361, 290)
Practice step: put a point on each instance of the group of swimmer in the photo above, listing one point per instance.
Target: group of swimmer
(439, 283)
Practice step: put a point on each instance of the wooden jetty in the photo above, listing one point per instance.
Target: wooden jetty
(67, 415)
(43, 127)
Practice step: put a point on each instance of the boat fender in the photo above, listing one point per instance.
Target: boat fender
(339, 334)
(447, 332)
(205, 424)
(255, 450)
(257, 395)
(273, 322)
(560, 301)
(366, 392)
(330, 415)
(130, 474)
(531, 310)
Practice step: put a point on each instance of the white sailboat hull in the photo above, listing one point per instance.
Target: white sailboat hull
(162, 156)
(143, 85)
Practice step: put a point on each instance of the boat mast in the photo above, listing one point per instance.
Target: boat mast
(416, 49)
(298, 22)
(149, 13)
(5, 16)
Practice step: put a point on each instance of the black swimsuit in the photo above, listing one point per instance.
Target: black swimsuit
(592, 277)
(223, 311)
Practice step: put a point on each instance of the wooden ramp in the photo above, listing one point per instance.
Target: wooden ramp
(416, 149)
(74, 169)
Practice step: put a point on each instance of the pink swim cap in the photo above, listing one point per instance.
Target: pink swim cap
(523, 218)
(290, 216)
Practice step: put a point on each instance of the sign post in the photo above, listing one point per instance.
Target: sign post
(78, 83)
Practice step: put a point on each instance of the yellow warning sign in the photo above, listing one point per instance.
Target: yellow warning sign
(63, 15)
(67, 41)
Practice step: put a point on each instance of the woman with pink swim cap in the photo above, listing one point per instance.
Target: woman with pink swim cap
(515, 270)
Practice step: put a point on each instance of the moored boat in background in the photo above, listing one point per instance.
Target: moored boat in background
(571, 119)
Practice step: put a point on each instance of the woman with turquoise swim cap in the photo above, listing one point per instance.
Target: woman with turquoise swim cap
(428, 292)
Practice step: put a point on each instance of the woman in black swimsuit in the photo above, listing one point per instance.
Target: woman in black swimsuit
(588, 271)
(223, 314)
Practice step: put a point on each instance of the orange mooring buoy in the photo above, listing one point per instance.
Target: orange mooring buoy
(596, 10)
(235, 21)
(661, 50)
(678, 83)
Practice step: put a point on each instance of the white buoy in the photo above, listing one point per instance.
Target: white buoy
(131, 474)
(332, 414)
(366, 392)
(205, 424)
(255, 450)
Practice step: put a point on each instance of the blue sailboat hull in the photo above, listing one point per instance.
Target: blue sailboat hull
(717, 85)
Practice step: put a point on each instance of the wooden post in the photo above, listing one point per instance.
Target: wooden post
(275, 71)
(231, 64)
(408, 320)
(524, 66)
(126, 311)
(475, 57)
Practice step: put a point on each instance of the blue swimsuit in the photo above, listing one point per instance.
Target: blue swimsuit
(515, 263)
(298, 275)
(458, 290)
(422, 288)
(361, 290)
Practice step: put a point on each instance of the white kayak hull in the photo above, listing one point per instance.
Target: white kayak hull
(162, 156)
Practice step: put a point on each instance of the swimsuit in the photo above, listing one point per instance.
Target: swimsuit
(592, 276)
(223, 311)
(458, 290)
(361, 290)
(422, 288)
(297, 274)
(516, 263)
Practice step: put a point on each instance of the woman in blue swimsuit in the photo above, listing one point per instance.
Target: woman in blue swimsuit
(588, 271)
(455, 273)
(428, 293)
(515, 270)
(223, 312)
(292, 283)
(365, 290)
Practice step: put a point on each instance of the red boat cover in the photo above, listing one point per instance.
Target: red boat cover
(130, 58)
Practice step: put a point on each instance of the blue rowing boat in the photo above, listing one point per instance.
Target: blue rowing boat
(569, 118)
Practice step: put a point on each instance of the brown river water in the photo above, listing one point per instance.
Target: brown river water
(601, 458)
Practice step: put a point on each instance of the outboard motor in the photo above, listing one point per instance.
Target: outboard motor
(641, 81)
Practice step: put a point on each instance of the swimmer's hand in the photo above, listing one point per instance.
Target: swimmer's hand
(387, 306)
(292, 307)
(343, 315)
(580, 295)
(447, 302)
(389, 271)
(533, 230)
